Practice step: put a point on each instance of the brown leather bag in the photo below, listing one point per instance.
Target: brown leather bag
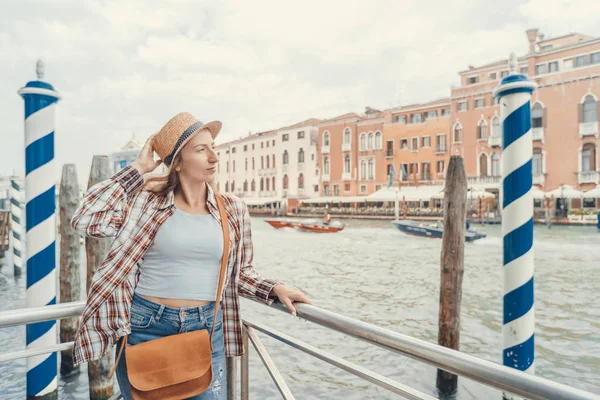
(179, 366)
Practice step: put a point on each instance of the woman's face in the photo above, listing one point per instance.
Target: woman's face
(198, 158)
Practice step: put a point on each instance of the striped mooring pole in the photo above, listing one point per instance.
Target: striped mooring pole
(16, 198)
(40, 218)
(514, 93)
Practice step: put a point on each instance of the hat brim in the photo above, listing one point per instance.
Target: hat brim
(214, 127)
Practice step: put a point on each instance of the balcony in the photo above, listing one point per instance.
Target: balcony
(346, 146)
(483, 180)
(267, 171)
(537, 134)
(346, 176)
(440, 149)
(389, 153)
(588, 129)
(285, 168)
(495, 141)
(539, 179)
(300, 167)
(588, 177)
(325, 150)
(325, 178)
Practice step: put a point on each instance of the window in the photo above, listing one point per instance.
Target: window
(426, 141)
(445, 112)
(496, 127)
(541, 69)
(416, 118)
(326, 166)
(441, 143)
(300, 156)
(227, 166)
(401, 119)
(537, 114)
(404, 144)
(588, 157)
(596, 58)
(347, 164)
(233, 150)
(246, 165)
(316, 188)
(524, 70)
(336, 190)
(371, 169)
(262, 162)
(553, 66)
(546, 47)
(479, 103)
(363, 141)
(415, 144)
(346, 187)
(267, 144)
(268, 161)
(252, 146)
(262, 145)
(301, 181)
(390, 148)
(273, 142)
(493, 76)
(347, 136)
(495, 164)
(285, 137)
(403, 172)
(458, 133)
(312, 157)
(370, 141)
(233, 186)
(245, 147)
(431, 114)
(273, 180)
(440, 167)
(568, 64)
(537, 163)
(301, 135)
(363, 170)
(462, 106)
(363, 188)
(389, 169)
(267, 182)
(233, 165)
(483, 165)
(262, 184)
(472, 79)
(582, 61)
(326, 139)
(426, 169)
(226, 187)
(378, 141)
(326, 190)
(286, 157)
(285, 182)
(482, 130)
(273, 158)
(253, 186)
(503, 74)
(252, 163)
(589, 109)
(589, 203)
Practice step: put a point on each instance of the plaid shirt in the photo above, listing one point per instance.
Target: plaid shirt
(119, 208)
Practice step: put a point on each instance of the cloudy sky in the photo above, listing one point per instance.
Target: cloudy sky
(129, 65)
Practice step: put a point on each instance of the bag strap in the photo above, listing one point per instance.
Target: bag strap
(224, 259)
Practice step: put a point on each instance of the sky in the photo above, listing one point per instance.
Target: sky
(126, 67)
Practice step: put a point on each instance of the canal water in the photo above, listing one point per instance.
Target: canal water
(374, 273)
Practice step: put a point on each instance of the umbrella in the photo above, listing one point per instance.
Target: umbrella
(592, 194)
(565, 192)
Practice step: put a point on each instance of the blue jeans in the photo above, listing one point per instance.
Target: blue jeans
(150, 320)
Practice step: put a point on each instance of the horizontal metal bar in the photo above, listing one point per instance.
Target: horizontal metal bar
(377, 379)
(116, 397)
(486, 372)
(40, 314)
(35, 352)
(270, 365)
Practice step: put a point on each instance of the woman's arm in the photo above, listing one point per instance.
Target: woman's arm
(105, 205)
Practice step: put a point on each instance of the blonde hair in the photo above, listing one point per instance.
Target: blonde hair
(166, 183)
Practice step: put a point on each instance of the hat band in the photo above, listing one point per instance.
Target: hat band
(186, 134)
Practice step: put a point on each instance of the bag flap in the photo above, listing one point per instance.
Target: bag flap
(168, 361)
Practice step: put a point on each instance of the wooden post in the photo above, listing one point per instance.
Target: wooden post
(452, 267)
(70, 280)
(101, 387)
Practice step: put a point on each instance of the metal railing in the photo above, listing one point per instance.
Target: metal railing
(486, 372)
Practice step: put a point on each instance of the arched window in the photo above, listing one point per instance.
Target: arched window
(262, 162)
(285, 157)
(347, 164)
(253, 186)
(371, 169)
(482, 130)
(273, 180)
(496, 127)
(588, 157)
(457, 133)
(326, 166)
(495, 164)
(268, 161)
(273, 160)
(326, 139)
(537, 162)
(363, 141)
(589, 109)
(262, 184)
(370, 141)
(253, 163)
(347, 135)
(363, 170)
(300, 181)
(245, 186)
(232, 186)
(537, 116)
(300, 156)
(267, 183)
(378, 141)
(226, 187)
(483, 160)
(285, 181)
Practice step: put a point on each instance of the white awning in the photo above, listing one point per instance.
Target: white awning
(592, 194)
(260, 201)
(565, 191)
(408, 193)
(334, 199)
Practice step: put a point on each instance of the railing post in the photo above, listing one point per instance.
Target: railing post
(245, 377)
(231, 377)
(16, 211)
(40, 199)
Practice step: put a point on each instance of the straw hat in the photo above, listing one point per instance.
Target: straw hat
(177, 132)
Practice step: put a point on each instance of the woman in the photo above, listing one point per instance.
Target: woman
(161, 274)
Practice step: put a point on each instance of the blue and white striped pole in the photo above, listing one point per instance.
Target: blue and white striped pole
(514, 93)
(40, 214)
(16, 197)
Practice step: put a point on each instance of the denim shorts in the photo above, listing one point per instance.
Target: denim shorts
(150, 320)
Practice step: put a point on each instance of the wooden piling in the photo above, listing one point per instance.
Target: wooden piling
(101, 387)
(70, 279)
(452, 266)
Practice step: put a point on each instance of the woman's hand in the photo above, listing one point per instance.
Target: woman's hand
(287, 296)
(145, 160)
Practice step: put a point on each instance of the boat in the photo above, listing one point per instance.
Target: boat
(433, 230)
(307, 225)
